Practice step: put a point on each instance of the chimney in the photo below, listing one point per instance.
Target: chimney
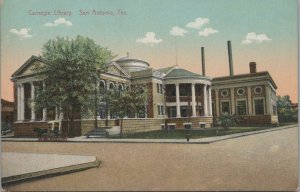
(203, 61)
(252, 66)
(230, 58)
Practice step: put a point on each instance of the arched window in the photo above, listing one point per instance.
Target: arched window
(102, 85)
(120, 87)
(111, 86)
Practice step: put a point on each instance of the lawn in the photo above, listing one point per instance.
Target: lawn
(193, 134)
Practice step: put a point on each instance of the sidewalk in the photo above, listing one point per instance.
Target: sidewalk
(206, 140)
(23, 166)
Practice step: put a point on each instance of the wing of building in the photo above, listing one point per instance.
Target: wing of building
(177, 98)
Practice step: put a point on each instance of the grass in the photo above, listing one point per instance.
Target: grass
(193, 134)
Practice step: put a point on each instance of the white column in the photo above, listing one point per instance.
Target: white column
(44, 109)
(32, 103)
(249, 101)
(268, 100)
(217, 104)
(193, 100)
(205, 99)
(61, 114)
(209, 101)
(56, 114)
(177, 100)
(18, 102)
(232, 101)
(22, 102)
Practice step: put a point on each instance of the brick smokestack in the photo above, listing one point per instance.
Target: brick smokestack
(203, 61)
(252, 66)
(230, 58)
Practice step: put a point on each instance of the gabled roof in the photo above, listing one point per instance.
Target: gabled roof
(165, 70)
(177, 72)
(26, 65)
(123, 71)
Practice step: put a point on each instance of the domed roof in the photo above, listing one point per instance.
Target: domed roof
(132, 64)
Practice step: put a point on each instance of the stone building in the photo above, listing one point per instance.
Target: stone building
(178, 97)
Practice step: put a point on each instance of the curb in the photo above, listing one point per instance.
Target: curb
(206, 140)
(50, 172)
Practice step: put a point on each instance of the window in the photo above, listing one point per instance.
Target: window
(120, 87)
(224, 93)
(240, 91)
(158, 109)
(241, 108)
(172, 111)
(162, 110)
(259, 106)
(159, 88)
(213, 109)
(257, 90)
(102, 85)
(225, 106)
(111, 86)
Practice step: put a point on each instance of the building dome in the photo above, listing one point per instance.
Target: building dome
(132, 65)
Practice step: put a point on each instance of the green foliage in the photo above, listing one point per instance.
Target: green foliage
(70, 72)
(284, 110)
(69, 75)
(226, 120)
(128, 102)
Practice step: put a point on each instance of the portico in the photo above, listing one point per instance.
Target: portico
(187, 94)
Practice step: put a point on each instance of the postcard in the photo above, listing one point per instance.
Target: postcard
(161, 95)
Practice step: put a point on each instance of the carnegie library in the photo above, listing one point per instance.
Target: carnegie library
(178, 97)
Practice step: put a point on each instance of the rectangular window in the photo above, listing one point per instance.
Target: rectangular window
(162, 110)
(172, 111)
(259, 106)
(157, 87)
(213, 109)
(225, 107)
(184, 111)
(161, 88)
(241, 108)
(158, 109)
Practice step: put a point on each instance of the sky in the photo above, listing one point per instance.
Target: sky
(159, 31)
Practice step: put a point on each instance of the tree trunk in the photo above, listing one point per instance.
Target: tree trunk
(121, 127)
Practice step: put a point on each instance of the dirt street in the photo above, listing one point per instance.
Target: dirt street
(267, 161)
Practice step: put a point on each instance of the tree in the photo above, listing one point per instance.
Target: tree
(226, 120)
(127, 102)
(71, 70)
(284, 110)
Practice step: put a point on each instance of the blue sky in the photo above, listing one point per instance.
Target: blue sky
(268, 29)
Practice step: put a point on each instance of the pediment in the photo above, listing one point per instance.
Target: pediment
(28, 66)
(115, 69)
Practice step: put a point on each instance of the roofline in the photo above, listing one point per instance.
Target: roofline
(189, 77)
(33, 57)
(245, 75)
(131, 59)
(119, 67)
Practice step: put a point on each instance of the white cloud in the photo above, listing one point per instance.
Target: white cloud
(149, 39)
(177, 31)
(255, 38)
(59, 21)
(207, 31)
(198, 23)
(22, 33)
